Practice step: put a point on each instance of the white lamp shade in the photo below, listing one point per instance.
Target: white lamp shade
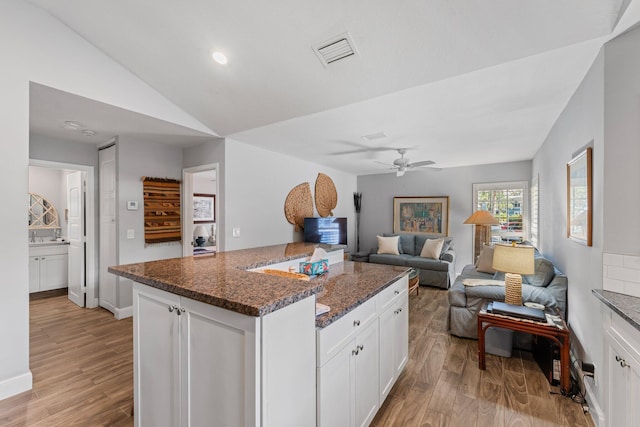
(200, 231)
(513, 259)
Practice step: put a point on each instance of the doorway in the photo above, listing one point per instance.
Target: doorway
(201, 236)
(82, 257)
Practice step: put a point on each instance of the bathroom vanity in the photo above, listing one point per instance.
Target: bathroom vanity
(218, 342)
(48, 266)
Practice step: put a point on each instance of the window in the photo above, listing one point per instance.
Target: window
(508, 203)
(534, 212)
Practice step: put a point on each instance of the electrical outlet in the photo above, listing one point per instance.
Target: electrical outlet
(236, 232)
(130, 233)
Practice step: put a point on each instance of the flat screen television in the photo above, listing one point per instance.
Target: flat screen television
(328, 230)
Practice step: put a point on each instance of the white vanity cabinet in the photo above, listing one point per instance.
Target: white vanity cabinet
(359, 356)
(623, 376)
(48, 267)
(198, 364)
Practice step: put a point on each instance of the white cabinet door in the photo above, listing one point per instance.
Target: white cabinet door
(53, 272)
(366, 375)
(401, 345)
(34, 274)
(387, 347)
(156, 358)
(336, 388)
(394, 343)
(217, 378)
(623, 385)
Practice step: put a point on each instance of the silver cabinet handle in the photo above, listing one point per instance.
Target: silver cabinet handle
(618, 358)
(37, 259)
(356, 323)
(42, 258)
(396, 292)
(180, 310)
(360, 347)
(355, 352)
(171, 308)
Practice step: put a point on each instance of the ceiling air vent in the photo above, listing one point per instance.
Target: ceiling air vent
(337, 48)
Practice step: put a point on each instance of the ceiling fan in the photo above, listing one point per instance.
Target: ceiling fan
(403, 164)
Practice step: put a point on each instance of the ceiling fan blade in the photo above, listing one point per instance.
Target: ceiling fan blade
(387, 164)
(422, 163)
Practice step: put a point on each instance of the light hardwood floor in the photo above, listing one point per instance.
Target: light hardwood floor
(81, 360)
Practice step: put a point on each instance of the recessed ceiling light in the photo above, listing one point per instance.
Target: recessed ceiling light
(71, 125)
(373, 136)
(219, 57)
(88, 132)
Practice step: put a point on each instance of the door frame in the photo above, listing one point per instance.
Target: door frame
(90, 236)
(187, 214)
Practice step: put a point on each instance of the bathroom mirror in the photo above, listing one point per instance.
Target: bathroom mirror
(42, 213)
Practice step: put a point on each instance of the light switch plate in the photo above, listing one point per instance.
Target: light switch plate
(130, 233)
(132, 205)
(236, 232)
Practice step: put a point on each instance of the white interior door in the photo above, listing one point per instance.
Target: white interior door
(75, 206)
(108, 227)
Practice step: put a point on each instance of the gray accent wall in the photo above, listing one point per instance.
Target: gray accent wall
(580, 124)
(378, 191)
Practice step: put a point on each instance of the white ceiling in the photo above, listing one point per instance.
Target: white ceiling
(457, 81)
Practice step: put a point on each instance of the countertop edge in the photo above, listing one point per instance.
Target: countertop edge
(323, 323)
(608, 299)
(236, 306)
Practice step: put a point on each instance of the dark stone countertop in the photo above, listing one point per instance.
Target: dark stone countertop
(223, 280)
(627, 306)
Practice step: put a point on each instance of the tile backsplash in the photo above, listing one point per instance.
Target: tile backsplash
(621, 273)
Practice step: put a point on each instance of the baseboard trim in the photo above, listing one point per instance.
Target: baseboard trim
(123, 313)
(108, 306)
(16, 385)
(594, 407)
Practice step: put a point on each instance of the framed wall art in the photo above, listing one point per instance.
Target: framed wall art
(428, 215)
(204, 208)
(579, 198)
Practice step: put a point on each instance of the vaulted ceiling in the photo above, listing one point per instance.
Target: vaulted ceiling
(455, 81)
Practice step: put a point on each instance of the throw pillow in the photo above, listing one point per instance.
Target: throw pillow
(543, 273)
(399, 240)
(485, 260)
(432, 248)
(388, 245)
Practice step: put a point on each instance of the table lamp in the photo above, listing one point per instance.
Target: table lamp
(513, 261)
(200, 233)
(483, 221)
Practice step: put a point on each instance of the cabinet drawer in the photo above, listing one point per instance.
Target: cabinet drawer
(331, 339)
(388, 296)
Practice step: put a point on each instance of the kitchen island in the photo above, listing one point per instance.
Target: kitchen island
(218, 344)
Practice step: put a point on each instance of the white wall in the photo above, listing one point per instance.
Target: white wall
(581, 123)
(378, 191)
(41, 49)
(622, 150)
(257, 184)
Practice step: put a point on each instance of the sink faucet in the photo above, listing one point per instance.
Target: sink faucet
(33, 236)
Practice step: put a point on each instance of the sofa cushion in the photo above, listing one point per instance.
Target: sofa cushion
(432, 248)
(406, 242)
(422, 238)
(543, 273)
(388, 245)
(394, 235)
(427, 264)
(389, 259)
(485, 260)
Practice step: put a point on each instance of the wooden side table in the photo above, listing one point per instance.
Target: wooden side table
(558, 333)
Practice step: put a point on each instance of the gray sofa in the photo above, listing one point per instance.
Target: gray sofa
(432, 272)
(546, 286)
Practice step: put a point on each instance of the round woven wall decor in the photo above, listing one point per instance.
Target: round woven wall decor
(326, 195)
(298, 205)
